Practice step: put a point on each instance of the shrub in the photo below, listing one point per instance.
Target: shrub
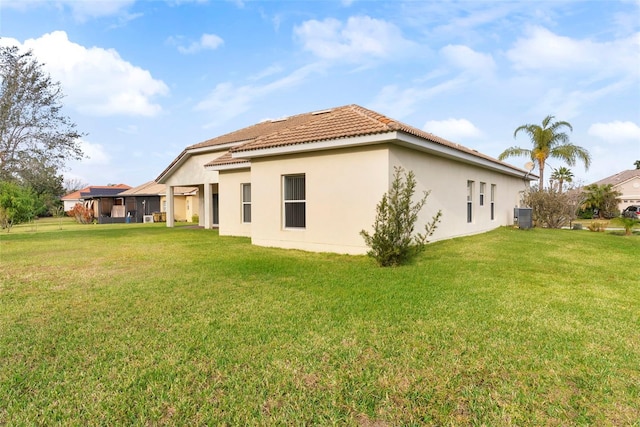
(393, 241)
(17, 204)
(602, 199)
(598, 226)
(628, 224)
(551, 208)
(82, 214)
(195, 219)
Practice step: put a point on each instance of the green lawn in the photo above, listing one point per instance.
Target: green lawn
(143, 325)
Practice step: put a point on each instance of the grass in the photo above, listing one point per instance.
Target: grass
(144, 325)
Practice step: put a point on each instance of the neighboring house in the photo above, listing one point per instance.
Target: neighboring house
(312, 181)
(185, 202)
(73, 198)
(106, 202)
(142, 200)
(149, 199)
(628, 184)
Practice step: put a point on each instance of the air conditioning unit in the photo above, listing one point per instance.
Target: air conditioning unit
(148, 219)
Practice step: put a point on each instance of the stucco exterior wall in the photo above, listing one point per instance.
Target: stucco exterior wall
(70, 204)
(192, 171)
(342, 190)
(447, 181)
(230, 193)
(184, 207)
(630, 193)
(191, 207)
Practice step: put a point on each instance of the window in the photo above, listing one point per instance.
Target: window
(482, 187)
(294, 201)
(493, 202)
(469, 201)
(246, 202)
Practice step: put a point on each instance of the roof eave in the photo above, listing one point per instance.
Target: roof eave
(463, 156)
(229, 166)
(328, 144)
(398, 137)
(188, 152)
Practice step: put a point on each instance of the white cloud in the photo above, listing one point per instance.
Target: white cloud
(80, 9)
(129, 130)
(453, 129)
(227, 100)
(267, 72)
(206, 42)
(95, 154)
(83, 10)
(399, 103)
(616, 131)
(542, 50)
(360, 37)
(96, 81)
(468, 59)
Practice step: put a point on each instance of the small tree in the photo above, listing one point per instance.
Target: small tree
(628, 224)
(393, 241)
(33, 127)
(602, 198)
(58, 212)
(551, 208)
(82, 214)
(17, 204)
(549, 141)
(562, 175)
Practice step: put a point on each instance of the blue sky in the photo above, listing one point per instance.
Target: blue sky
(144, 79)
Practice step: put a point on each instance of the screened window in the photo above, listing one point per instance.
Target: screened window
(294, 201)
(246, 202)
(493, 202)
(469, 201)
(482, 189)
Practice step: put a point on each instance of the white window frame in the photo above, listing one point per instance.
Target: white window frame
(286, 202)
(483, 186)
(470, 185)
(245, 203)
(493, 202)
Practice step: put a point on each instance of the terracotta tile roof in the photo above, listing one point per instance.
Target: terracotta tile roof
(620, 177)
(250, 133)
(226, 159)
(336, 123)
(342, 122)
(150, 188)
(180, 191)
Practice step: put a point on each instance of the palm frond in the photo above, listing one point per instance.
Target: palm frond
(515, 152)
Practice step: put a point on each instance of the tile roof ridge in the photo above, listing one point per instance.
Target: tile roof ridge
(373, 115)
(313, 116)
(620, 177)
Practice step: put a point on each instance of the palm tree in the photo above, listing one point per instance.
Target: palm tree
(562, 175)
(637, 163)
(602, 198)
(548, 141)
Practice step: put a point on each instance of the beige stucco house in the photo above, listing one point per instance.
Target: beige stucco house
(185, 203)
(312, 181)
(628, 184)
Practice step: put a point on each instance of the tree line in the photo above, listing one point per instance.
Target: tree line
(36, 139)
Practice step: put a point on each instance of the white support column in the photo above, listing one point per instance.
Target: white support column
(201, 205)
(208, 206)
(170, 215)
